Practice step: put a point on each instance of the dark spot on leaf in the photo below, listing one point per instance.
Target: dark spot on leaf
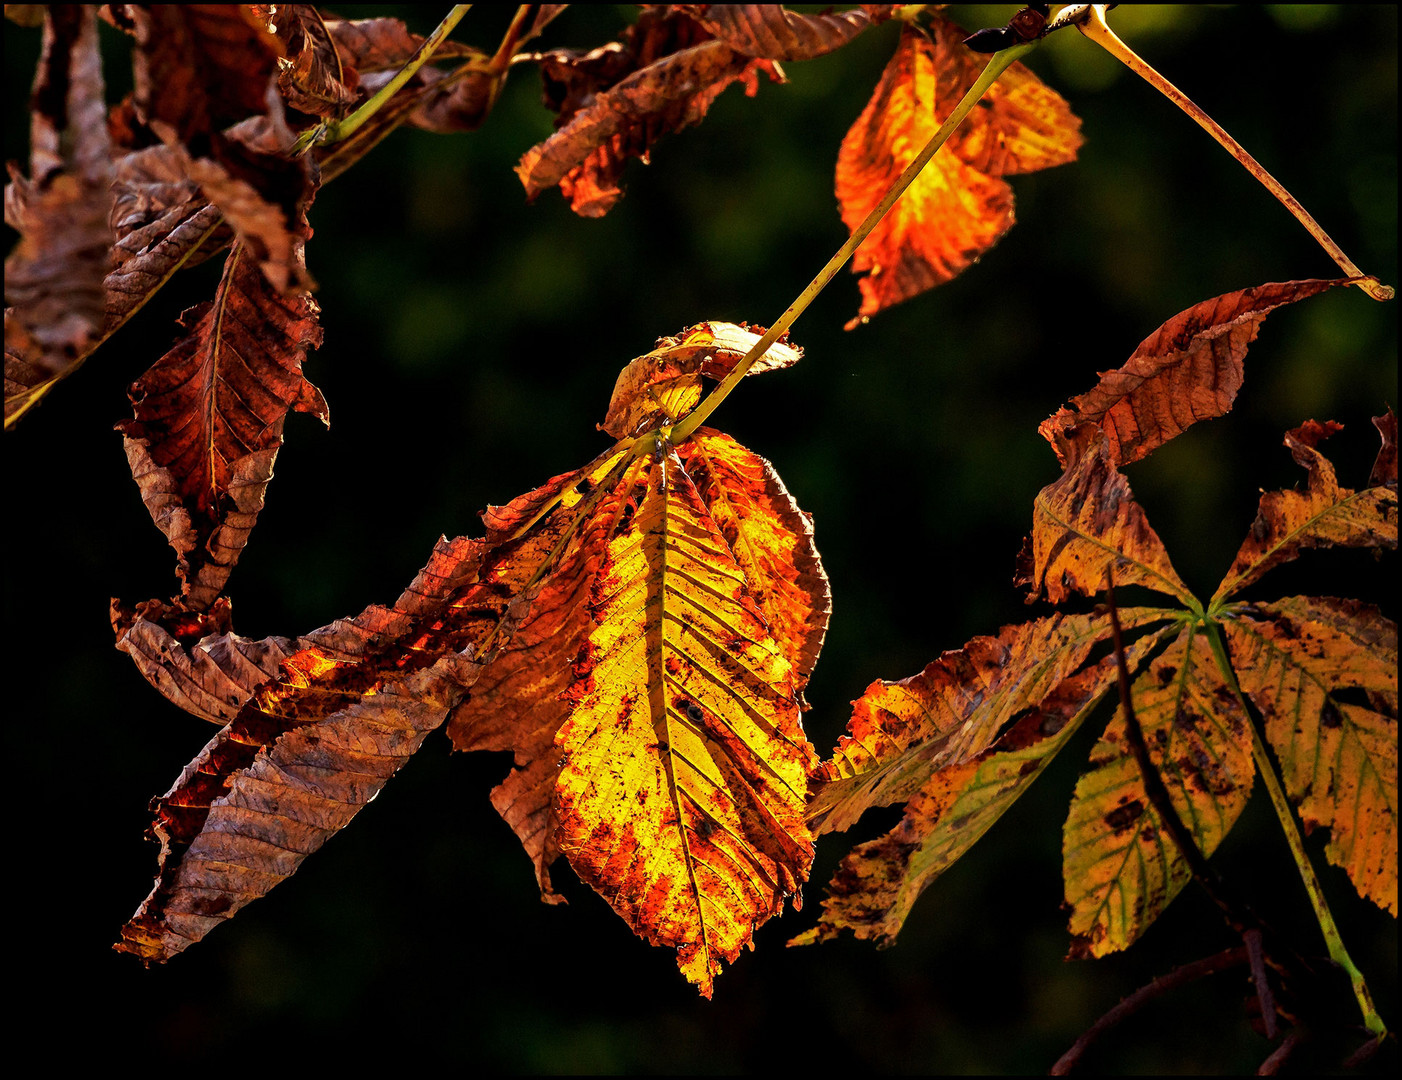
(1330, 716)
(1165, 674)
(1123, 817)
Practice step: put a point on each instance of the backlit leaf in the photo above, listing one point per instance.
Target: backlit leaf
(1087, 523)
(615, 102)
(1323, 672)
(1323, 515)
(208, 420)
(873, 890)
(682, 798)
(1187, 370)
(604, 630)
(959, 206)
(1121, 865)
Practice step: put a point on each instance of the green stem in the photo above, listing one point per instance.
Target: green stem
(1094, 26)
(1283, 811)
(997, 64)
(345, 128)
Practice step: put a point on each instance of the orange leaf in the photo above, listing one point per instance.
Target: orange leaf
(1121, 865)
(1087, 523)
(1323, 672)
(614, 103)
(958, 207)
(1187, 370)
(1323, 515)
(208, 420)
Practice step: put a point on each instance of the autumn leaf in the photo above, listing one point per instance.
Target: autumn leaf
(614, 103)
(1323, 672)
(872, 891)
(209, 416)
(1187, 370)
(199, 67)
(902, 732)
(637, 637)
(772, 32)
(959, 206)
(1324, 514)
(311, 77)
(1087, 523)
(54, 277)
(1121, 865)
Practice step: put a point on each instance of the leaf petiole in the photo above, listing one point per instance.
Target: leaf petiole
(1332, 938)
(324, 134)
(1091, 22)
(998, 63)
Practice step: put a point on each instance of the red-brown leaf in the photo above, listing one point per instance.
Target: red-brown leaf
(615, 102)
(772, 32)
(1187, 370)
(209, 418)
(200, 67)
(958, 207)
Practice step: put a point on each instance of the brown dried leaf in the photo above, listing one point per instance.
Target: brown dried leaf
(53, 278)
(305, 754)
(1187, 370)
(772, 32)
(1385, 466)
(208, 420)
(200, 67)
(1323, 672)
(310, 75)
(1323, 515)
(1087, 523)
(616, 101)
(958, 207)
(1121, 866)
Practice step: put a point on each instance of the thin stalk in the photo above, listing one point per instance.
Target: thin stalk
(1094, 26)
(343, 129)
(1332, 938)
(997, 64)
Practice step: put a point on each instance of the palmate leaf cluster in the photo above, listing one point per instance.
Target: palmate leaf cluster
(1073, 692)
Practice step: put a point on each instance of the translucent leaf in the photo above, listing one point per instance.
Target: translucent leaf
(959, 206)
(1323, 672)
(1121, 865)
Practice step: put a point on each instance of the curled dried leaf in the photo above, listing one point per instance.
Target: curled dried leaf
(209, 416)
(1187, 370)
(616, 102)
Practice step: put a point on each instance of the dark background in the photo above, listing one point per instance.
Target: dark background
(471, 345)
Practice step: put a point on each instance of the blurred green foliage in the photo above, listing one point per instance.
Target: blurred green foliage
(471, 345)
